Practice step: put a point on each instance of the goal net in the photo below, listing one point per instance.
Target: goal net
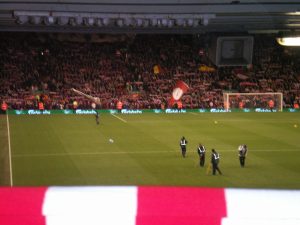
(266, 101)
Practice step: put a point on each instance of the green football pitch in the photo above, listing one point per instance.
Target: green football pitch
(49, 150)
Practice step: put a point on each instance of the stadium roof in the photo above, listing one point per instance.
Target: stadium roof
(150, 16)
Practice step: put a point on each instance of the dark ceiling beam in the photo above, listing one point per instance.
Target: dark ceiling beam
(160, 8)
(213, 15)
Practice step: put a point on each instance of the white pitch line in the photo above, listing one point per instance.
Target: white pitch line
(119, 118)
(133, 152)
(89, 153)
(194, 113)
(9, 152)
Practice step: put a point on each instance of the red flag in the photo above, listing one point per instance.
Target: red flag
(179, 89)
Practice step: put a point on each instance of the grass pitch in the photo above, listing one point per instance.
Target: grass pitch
(74, 150)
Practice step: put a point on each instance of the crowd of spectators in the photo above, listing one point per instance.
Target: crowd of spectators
(139, 70)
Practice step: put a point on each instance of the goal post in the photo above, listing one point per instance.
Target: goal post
(268, 100)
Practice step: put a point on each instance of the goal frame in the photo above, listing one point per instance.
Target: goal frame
(226, 96)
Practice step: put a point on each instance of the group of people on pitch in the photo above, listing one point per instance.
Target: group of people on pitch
(215, 156)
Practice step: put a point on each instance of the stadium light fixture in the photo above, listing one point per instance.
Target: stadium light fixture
(128, 22)
(289, 41)
(99, 22)
(190, 22)
(159, 23)
(164, 22)
(72, 22)
(205, 21)
(170, 23)
(154, 22)
(63, 20)
(89, 21)
(49, 20)
(78, 20)
(195, 23)
(105, 21)
(180, 22)
(35, 20)
(146, 23)
(120, 23)
(112, 19)
(139, 22)
(75, 21)
(22, 19)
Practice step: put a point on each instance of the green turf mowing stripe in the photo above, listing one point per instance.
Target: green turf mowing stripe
(74, 150)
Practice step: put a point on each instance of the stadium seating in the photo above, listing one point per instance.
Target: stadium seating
(140, 70)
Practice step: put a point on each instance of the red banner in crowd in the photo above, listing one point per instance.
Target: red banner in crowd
(179, 89)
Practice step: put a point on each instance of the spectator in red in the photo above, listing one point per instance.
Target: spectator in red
(271, 104)
(241, 105)
(41, 106)
(119, 105)
(75, 105)
(179, 105)
(4, 107)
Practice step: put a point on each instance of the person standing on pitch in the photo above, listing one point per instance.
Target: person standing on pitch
(201, 153)
(183, 143)
(215, 158)
(242, 150)
(97, 117)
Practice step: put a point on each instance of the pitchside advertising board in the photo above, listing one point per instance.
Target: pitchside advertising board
(139, 111)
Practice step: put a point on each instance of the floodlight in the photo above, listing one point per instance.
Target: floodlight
(289, 41)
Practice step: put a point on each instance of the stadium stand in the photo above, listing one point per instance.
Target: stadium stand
(44, 67)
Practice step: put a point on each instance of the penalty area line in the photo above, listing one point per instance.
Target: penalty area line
(119, 118)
